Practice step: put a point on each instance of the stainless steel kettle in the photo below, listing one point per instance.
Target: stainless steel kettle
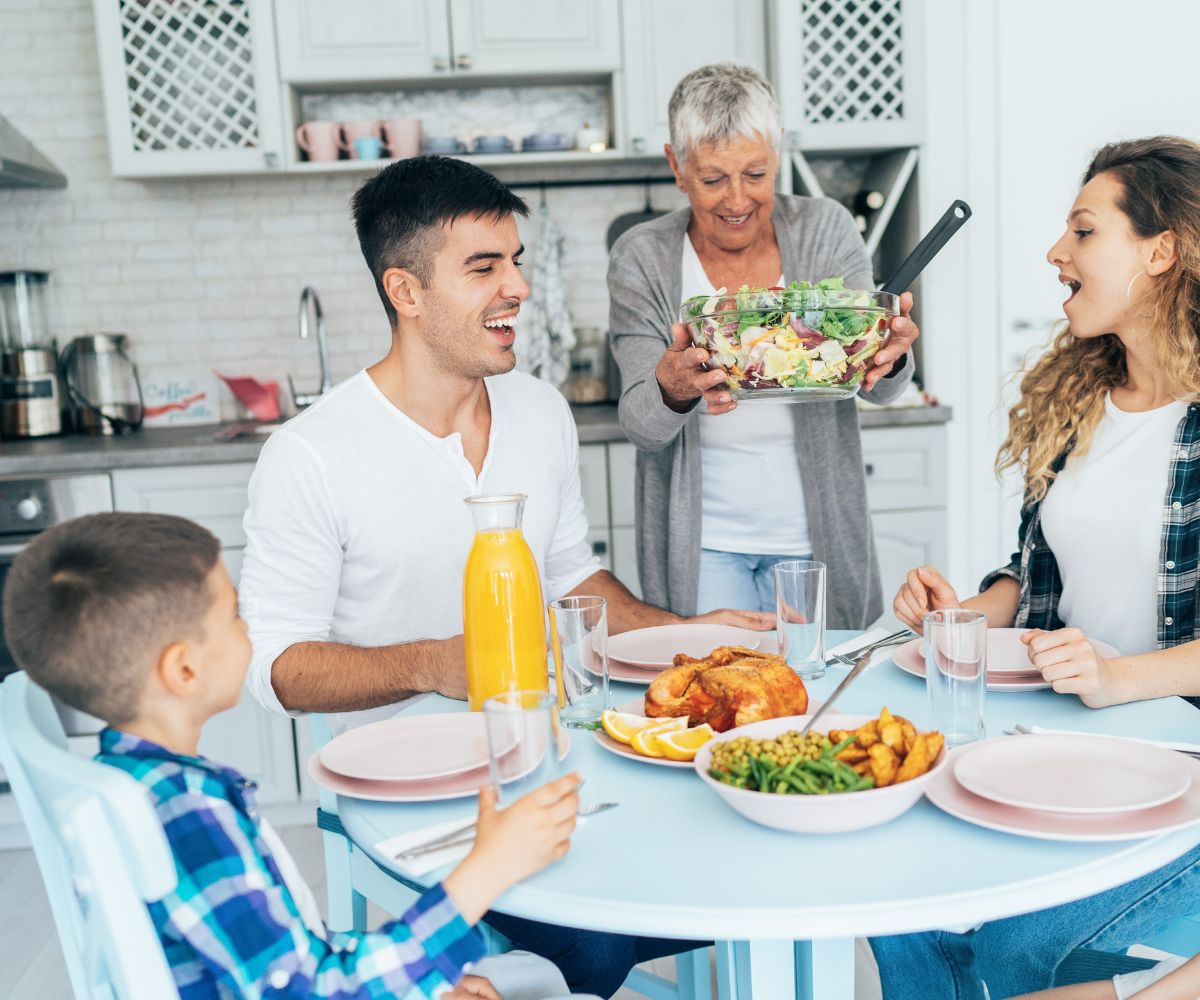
(103, 388)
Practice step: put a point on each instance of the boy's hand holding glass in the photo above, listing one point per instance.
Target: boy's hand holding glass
(513, 843)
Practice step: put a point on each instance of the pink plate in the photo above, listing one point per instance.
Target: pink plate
(948, 795)
(1072, 774)
(410, 748)
(456, 786)
(1008, 667)
(656, 647)
(629, 674)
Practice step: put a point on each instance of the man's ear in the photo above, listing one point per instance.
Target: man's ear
(175, 670)
(404, 290)
(1163, 254)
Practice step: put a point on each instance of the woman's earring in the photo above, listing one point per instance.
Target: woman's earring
(1129, 287)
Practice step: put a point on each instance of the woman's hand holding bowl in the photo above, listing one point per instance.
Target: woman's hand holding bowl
(903, 332)
(683, 377)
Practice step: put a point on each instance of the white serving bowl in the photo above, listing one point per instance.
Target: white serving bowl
(835, 813)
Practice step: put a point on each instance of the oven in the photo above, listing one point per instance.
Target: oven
(28, 506)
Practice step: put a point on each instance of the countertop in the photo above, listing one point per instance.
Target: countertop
(200, 445)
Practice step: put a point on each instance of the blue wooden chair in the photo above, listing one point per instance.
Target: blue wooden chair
(351, 878)
(100, 848)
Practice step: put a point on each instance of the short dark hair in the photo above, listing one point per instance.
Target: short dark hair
(90, 604)
(399, 213)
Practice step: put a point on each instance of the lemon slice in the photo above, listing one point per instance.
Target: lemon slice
(623, 726)
(683, 744)
(644, 741)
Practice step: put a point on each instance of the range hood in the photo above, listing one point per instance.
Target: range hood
(21, 165)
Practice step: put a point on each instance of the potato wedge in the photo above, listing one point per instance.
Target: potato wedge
(892, 735)
(884, 764)
(852, 754)
(867, 733)
(924, 752)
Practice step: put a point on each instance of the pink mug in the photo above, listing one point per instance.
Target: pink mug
(347, 132)
(318, 140)
(402, 136)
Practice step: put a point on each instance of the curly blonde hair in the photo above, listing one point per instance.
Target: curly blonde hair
(1062, 396)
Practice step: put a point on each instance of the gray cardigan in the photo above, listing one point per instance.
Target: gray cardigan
(817, 239)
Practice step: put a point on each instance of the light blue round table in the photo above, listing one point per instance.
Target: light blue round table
(675, 861)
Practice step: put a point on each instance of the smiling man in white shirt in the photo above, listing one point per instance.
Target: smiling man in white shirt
(357, 535)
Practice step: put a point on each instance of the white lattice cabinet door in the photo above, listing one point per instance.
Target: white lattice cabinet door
(848, 72)
(701, 32)
(190, 86)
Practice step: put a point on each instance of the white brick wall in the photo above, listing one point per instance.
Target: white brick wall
(208, 273)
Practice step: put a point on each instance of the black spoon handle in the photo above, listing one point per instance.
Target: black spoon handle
(928, 248)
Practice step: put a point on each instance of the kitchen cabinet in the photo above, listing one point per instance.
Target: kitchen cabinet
(190, 87)
(700, 32)
(256, 742)
(848, 72)
(365, 40)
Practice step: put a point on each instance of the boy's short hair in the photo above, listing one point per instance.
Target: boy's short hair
(90, 605)
(400, 212)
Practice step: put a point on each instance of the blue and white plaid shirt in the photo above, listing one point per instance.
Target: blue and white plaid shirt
(1036, 570)
(231, 927)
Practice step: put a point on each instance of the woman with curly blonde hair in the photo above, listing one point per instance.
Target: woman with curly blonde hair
(1107, 432)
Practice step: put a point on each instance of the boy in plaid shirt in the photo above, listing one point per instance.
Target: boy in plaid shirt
(133, 618)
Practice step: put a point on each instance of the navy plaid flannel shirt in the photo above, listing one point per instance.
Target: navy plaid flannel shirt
(1035, 569)
(231, 928)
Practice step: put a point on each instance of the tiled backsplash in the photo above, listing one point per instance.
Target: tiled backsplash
(207, 273)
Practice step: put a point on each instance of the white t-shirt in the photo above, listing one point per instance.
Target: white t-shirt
(751, 497)
(1103, 519)
(356, 531)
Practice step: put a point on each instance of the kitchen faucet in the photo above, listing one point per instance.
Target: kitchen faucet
(307, 297)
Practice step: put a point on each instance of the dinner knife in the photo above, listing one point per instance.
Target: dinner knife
(859, 666)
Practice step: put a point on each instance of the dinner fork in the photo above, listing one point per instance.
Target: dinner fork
(848, 659)
(465, 834)
(1020, 730)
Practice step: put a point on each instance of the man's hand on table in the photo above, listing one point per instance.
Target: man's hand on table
(756, 621)
(1068, 660)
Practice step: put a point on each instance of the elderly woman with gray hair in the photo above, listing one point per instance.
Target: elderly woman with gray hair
(725, 492)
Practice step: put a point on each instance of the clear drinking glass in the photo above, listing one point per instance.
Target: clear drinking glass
(800, 615)
(522, 731)
(956, 672)
(579, 638)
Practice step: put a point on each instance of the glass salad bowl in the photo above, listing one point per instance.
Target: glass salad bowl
(806, 341)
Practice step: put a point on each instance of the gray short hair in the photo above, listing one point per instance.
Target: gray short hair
(718, 102)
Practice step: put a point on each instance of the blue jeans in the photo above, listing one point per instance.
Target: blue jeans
(1020, 954)
(733, 580)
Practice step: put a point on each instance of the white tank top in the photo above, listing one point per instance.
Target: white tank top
(751, 497)
(1103, 519)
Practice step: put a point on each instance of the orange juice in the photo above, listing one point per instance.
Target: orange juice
(504, 623)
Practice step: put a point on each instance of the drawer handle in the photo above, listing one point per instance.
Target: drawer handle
(869, 469)
(599, 548)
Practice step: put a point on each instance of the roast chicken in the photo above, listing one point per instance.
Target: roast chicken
(732, 686)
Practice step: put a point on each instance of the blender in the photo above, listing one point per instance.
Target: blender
(30, 401)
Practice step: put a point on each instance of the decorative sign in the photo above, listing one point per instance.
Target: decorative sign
(174, 399)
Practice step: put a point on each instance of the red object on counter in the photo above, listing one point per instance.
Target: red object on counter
(260, 398)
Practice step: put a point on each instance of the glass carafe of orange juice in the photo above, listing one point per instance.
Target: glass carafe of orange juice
(504, 619)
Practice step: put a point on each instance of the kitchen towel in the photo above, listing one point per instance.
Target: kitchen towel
(874, 635)
(545, 342)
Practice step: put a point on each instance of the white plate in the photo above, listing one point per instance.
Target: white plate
(410, 748)
(657, 646)
(456, 786)
(1072, 774)
(635, 706)
(948, 795)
